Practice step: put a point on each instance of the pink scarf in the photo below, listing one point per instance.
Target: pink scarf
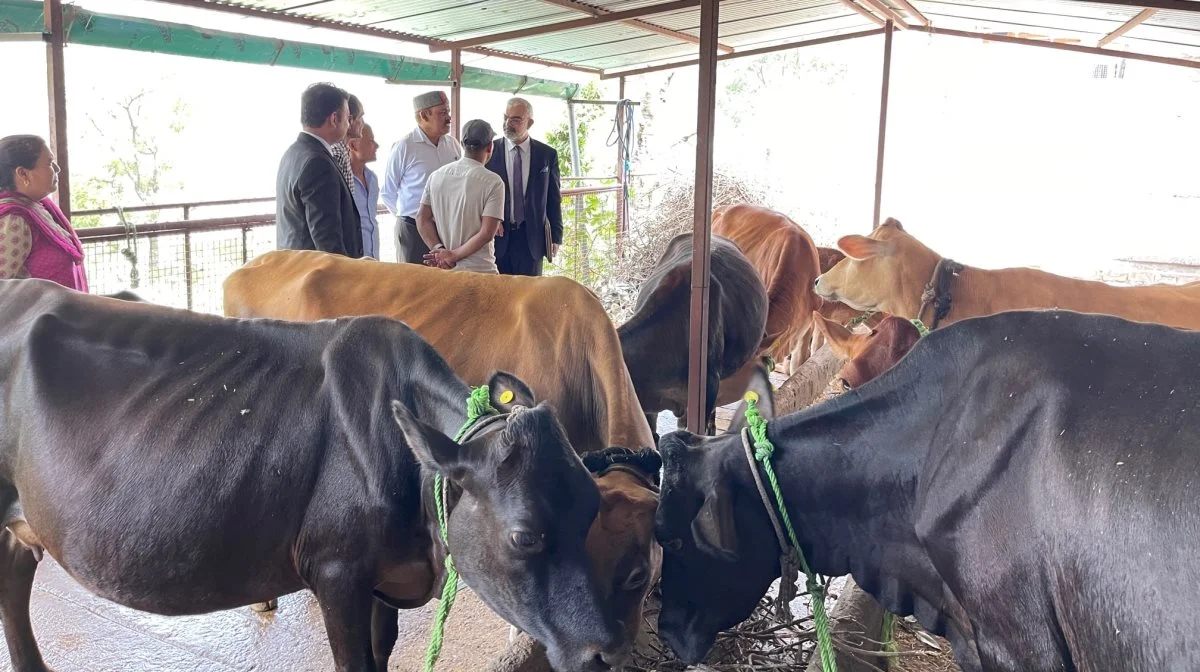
(52, 256)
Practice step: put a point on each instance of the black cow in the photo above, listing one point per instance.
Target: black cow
(181, 463)
(654, 341)
(1025, 484)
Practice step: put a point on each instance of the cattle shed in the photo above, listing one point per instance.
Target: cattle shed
(618, 39)
(469, 41)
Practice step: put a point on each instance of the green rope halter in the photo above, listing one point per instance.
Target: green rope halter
(921, 328)
(479, 404)
(763, 450)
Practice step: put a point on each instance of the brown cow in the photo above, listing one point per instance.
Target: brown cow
(785, 258)
(889, 269)
(551, 332)
(869, 354)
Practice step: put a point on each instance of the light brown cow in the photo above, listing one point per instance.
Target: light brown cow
(834, 311)
(551, 332)
(888, 271)
(785, 258)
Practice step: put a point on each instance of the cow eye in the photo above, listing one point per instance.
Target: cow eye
(527, 541)
(674, 545)
(636, 579)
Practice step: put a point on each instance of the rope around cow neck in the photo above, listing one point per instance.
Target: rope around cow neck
(479, 404)
(921, 328)
(763, 451)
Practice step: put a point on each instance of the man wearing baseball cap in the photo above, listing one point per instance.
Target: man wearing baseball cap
(462, 207)
(412, 160)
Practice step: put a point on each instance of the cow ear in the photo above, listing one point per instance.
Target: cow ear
(839, 337)
(434, 449)
(760, 385)
(507, 391)
(713, 527)
(859, 248)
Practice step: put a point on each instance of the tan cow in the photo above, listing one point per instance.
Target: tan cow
(888, 271)
(833, 311)
(551, 332)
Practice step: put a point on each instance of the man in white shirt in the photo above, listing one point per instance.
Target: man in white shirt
(413, 159)
(462, 207)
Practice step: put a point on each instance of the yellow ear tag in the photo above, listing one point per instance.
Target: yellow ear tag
(750, 395)
(506, 396)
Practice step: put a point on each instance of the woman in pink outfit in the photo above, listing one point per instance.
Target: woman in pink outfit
(36, 240)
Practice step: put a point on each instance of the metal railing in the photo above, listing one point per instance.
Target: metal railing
(183, 263)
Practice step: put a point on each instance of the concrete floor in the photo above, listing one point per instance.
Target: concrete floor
(79, 632)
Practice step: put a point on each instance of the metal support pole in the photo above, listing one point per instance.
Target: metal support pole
(621, 176)
(56, 84)
(456, 93)
(706, 103)
(574, 137)
(187, 265)
(883, 108)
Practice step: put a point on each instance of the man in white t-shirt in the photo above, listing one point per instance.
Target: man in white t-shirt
(462, 207)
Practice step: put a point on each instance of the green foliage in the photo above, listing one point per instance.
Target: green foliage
(589, 244)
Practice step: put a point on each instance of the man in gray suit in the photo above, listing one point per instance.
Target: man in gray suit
(314, 210)
(533, 225)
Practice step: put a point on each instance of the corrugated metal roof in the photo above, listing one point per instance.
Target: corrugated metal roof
(743, 24)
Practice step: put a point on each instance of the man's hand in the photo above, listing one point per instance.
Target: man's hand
(441, 258)
(554, 249)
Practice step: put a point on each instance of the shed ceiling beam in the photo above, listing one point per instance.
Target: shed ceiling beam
(594, 20)
(744, 54)
(1177, 5)
(1132, 55)
(637, 23)
(1127, 26)
(913, 12)
(887, 12)
(359, 29)
(864, 12)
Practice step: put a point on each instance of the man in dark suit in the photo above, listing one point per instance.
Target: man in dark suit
(314, 209)
(533, 226)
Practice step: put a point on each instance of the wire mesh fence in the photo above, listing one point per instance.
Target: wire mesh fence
(182, 269)
(183, 265)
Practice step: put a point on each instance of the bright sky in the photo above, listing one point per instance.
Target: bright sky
(997, 155)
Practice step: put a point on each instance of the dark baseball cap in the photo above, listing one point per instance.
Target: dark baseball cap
(477, 133)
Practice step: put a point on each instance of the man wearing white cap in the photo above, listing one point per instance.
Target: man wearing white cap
(462, 207)
(413, 159)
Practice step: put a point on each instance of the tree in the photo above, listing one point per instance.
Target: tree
(134, 147)
(135, 165)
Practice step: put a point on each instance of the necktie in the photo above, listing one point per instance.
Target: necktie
(518, 187)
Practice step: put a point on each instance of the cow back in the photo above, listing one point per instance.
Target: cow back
(786, 260)
(551, 332)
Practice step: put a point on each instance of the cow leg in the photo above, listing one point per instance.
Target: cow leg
(385, 629)
(347, 606)
(16, 584)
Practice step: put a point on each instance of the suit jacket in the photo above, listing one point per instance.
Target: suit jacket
(543, 204)
(314, 209)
